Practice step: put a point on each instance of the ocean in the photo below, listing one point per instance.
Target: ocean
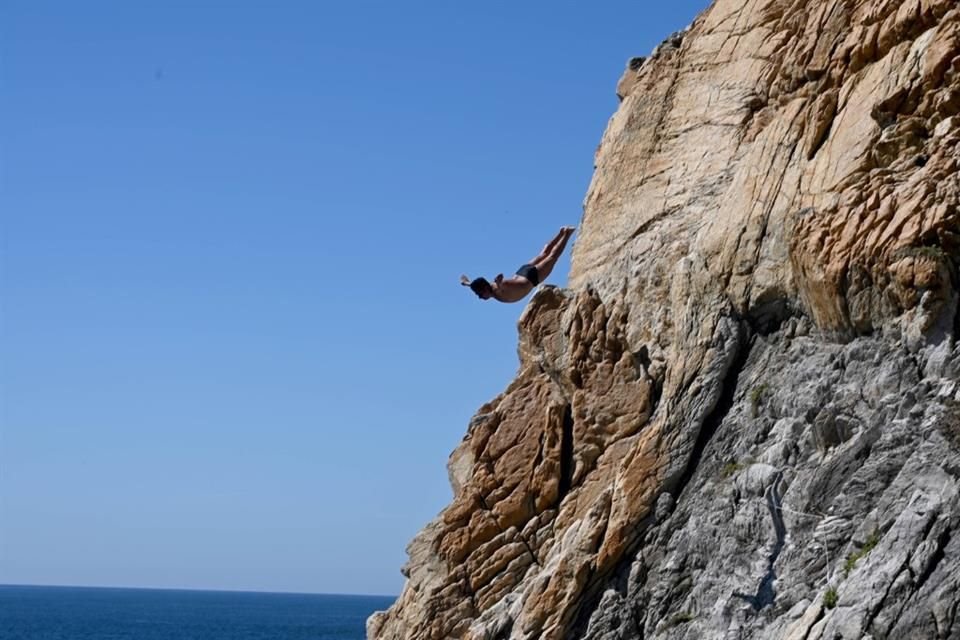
(88, 613)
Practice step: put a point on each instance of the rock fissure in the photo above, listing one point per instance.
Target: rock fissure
(566, 455)
(715, 417)
(878, 607)
(942, 540)
(766, 590)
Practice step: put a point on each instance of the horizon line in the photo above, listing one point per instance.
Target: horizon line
(142, 588)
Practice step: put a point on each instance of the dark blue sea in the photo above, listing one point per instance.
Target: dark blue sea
(82, 613)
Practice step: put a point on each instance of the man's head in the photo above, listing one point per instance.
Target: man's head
(479, 286)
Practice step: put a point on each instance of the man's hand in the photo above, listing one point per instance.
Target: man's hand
(499, 278)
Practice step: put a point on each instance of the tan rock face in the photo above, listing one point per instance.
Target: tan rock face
(780, 158)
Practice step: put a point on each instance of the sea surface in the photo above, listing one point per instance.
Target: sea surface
(85, 613)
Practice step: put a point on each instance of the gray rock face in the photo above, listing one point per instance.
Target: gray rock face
(825, 505)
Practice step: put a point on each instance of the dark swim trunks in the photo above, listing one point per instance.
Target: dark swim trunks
(529, 272)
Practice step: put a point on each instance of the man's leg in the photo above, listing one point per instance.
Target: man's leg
(547, 260)
(549, 248)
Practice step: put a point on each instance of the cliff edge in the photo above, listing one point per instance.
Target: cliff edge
(742, 419)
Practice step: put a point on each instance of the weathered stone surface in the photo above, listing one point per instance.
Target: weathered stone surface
(742, 420)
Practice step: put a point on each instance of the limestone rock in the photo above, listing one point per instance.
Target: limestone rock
(742, 419)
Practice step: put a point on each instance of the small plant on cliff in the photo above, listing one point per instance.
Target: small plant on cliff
(926, 251)
(681, 618)
(830, 598)
(757, 396)
(729, 469)
(932, 252)
(867, 547)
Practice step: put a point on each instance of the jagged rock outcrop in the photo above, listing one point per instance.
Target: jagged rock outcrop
(742, 419)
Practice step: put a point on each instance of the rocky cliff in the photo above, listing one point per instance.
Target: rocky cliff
(742, 419)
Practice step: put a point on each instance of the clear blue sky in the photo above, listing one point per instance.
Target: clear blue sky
(234, 351)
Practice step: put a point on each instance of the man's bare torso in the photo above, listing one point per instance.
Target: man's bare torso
(512, 289)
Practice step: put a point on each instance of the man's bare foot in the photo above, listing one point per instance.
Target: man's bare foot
(568, 229)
